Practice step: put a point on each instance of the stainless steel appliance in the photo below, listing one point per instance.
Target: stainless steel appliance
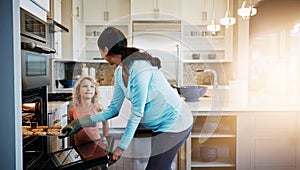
(34, 113)
(35, 78)
(35, 50)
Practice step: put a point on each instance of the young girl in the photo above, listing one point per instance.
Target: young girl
(85, 102)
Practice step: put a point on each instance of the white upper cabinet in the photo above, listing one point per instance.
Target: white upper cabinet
(104, 11)
(44, 4)
(202, 11)
(155, 9)
(38, 8)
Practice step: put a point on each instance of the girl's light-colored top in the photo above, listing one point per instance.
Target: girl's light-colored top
(87, 133)
(154, 103)
(92, 150)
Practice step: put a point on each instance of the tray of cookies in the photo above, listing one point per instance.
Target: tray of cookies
(41, 131)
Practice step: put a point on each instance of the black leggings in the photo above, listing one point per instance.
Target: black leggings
(164, 147)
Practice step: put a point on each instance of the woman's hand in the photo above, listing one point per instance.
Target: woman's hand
(116, 155)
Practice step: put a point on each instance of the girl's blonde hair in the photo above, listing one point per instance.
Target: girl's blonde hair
(76, 89)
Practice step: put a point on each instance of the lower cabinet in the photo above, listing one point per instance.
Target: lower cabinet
(269, 140)
(212, 143)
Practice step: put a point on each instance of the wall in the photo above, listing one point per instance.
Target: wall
(274, 55)
(274, 15)
(10, 72)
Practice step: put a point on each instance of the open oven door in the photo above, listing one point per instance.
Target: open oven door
(70, 158)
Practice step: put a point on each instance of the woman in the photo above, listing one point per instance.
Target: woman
(154, 104)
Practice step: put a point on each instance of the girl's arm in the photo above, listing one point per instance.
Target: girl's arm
(105, 125)
(105, 128)
(115, 104)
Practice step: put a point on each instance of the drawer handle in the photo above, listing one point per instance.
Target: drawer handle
(65, 115)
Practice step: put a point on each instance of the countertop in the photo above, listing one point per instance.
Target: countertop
(54, 105)
(254, 102)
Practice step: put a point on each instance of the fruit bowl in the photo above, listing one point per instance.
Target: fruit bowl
(67, 83)
(192, 93)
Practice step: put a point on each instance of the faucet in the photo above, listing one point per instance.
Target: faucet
(215, 81)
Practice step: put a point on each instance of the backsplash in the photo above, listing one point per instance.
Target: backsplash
(71, 70)
(105, 72)
(192, 77)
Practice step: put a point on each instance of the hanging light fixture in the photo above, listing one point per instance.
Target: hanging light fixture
(246, 13)
(227, 21)
(213, 28)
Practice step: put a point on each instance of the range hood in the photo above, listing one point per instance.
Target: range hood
(160, 25)
(55, 26)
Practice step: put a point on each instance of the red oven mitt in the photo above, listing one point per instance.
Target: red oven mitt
(76, 125)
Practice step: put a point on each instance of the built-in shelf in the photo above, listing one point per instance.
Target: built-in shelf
(212, 135)
(206, 61)
(203, 37)
(222, 137)
(217, 163)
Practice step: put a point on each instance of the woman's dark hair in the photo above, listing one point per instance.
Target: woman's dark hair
(116, 42)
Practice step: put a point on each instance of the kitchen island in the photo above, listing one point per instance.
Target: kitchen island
(260, 134)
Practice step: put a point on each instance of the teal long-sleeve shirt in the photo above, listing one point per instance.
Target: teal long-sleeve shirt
(154, 104)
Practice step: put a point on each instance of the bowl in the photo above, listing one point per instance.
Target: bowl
(208, 154)
(67, 83)
(212, 56)
(196, 56)
(192, 93)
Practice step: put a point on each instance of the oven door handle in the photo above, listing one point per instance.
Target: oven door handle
(36, 47)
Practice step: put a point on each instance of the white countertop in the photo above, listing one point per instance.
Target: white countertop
(255, 102)
(54, 105)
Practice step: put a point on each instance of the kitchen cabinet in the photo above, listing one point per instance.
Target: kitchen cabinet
(92, 32)
(57, 116)
(216, 130)
(120, 121)
(38, 8)
(45, 5)
(155, 9)
(201, 12)
(71, 17)
(55, 12)
(211, 48)
(104, 11)
(268, 140)
(198, 40)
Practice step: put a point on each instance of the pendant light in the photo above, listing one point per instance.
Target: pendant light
(213, 28)
(227, 21)
(246, 13)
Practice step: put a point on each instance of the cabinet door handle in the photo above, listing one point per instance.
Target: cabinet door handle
(77, 12)
(64, 115)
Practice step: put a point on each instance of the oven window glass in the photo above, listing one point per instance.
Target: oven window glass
(36, 65)
(35, 27)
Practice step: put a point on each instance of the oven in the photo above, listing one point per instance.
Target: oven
(35, 51)
(34, 113)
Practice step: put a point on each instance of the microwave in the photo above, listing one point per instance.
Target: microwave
(33, 27)
(35, 51)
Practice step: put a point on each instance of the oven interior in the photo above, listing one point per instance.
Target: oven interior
(34, 113)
